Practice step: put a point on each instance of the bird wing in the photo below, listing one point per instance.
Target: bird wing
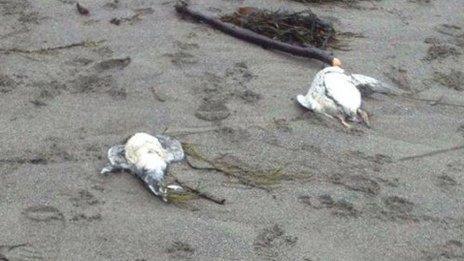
(172, 147)
(342, 91)
(117, 159)
(116, 155)
(315, 91)
(368, 85)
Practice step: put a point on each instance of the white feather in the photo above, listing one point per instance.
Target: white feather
(373, 85)
(343, 91)
(145, 152)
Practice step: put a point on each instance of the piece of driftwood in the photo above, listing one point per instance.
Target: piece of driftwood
(199, 193)
(252, 37)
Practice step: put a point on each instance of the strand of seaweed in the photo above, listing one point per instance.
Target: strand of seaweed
(50, 49)
(256, 178)
(196, 192)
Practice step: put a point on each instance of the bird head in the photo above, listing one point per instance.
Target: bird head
(154, 180)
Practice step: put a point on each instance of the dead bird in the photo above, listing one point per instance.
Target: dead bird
(147, 157)
(336, 94)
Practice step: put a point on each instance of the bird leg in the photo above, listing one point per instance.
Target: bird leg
(109, 169)
(343, 122)
(364, 117)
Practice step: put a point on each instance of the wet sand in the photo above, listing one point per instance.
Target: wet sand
(71, 86)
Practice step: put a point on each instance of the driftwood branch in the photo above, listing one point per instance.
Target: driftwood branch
(199, 193)
(252, 37)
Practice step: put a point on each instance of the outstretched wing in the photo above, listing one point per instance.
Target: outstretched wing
(173, 148)
(341, 90)
(368, 85)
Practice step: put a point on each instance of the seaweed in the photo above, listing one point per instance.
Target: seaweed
(178, 198)
(300, 28)
(246, 175)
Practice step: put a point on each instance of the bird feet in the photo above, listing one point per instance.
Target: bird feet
(107, 169)
(364, 117)
(344, 123)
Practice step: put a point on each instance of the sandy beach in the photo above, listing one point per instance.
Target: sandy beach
(297, 186)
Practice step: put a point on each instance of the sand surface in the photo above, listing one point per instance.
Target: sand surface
(338, 195)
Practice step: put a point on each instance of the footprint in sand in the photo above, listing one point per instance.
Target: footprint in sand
(212, 110)
(272, 240)
(42, 213)
(446, 183)
(398, 208)
(453, 79)
(112, 64)
(20, 252)
(84, 198)
(341, 208)
(94, 83)
(398, 204)
(179, 249)
(182, 58)
(441, 52)
(7, 84)
(357, 183)
(451, 250)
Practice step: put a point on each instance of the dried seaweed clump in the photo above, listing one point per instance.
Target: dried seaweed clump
(300, 28)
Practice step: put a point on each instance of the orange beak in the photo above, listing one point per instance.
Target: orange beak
(336, 62)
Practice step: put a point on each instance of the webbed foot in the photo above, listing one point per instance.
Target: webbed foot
(364, 117)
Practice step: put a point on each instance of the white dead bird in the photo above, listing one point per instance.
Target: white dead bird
(336, 94)
(147, 157)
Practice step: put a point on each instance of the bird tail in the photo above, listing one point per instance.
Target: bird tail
(368, 85)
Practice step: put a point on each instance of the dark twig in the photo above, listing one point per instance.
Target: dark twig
(82, 10)
(252, 37)
(432, 153)
(199, 193)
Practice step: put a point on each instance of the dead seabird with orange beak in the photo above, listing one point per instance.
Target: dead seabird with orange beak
(147, 157)
(336, 94)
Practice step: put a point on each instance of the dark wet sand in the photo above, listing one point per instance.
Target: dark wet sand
(361, 195)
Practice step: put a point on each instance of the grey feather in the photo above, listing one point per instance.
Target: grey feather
(173, 147)
(368, 85)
